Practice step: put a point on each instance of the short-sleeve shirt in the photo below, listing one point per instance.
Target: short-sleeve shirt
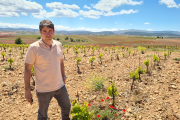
(46, 61)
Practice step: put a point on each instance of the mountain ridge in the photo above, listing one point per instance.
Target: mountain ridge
(135, 32)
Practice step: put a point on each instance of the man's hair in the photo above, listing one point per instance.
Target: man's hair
(46, 23)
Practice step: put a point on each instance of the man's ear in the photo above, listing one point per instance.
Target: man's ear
(40, 32)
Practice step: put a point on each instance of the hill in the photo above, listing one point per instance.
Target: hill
(26, 31)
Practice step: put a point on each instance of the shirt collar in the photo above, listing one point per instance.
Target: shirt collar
(44, 44)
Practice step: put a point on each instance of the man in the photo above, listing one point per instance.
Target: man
(46, 55)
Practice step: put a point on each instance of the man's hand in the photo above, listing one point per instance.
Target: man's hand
(64, 79)
(27, 77)
(28, 96)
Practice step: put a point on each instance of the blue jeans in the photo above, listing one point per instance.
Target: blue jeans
(61, 95)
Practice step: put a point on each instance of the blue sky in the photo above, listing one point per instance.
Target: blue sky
(92, 15)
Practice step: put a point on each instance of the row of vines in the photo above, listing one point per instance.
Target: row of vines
(95, 53)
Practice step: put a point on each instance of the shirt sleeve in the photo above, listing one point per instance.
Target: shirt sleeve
(30, 55)
(62, 56)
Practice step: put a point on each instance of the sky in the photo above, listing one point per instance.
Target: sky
(92, 15)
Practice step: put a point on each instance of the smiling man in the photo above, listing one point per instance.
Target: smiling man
(46, 55)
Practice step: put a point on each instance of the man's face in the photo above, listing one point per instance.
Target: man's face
(47, 33)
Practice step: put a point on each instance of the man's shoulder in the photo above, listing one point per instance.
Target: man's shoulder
(35, 44)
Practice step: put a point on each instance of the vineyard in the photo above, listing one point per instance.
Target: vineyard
(104, 83)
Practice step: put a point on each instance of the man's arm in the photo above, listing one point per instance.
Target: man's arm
(62, 69)
(27, 77)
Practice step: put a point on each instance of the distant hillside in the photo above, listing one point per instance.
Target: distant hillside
(148, 33)
(84, 33)
(26, 31)
(152, 34)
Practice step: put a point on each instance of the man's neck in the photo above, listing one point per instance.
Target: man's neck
(48, 43)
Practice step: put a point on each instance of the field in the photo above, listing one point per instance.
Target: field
(128, 41)
(156, 96)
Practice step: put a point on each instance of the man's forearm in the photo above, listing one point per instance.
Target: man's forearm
(27, 77)
(62, 69)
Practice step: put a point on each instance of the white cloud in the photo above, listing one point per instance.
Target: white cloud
(11, 8)
(57, 27)
(85, 6)
(9, 14)
(91, 14)
(75, 7)
(149, 29)
(59, 10)
(81, 18)
(18, 25)
(56, 13)
(23, 13)
(130, 23)
(108, 5)
(115, 22)
(121, 12)
(54, 5)
(63, 13)
(41, 14)
(59, 5)
(60, 27)
(169, 3)
(146, 23)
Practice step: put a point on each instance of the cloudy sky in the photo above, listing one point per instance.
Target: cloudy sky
(92, 15)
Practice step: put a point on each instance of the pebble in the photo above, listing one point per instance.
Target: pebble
(129, 110)
(35, 111)
(173, 87)
(156, 92)
(6, 111)
(178, 116)
(140, 117)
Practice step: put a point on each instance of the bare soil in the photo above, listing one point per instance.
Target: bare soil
(5, 36)
(102, 41)
(157, 97)
(110, 45)
(7, 33)
(13, 42)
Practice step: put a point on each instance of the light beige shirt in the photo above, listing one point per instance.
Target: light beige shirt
(46, 63)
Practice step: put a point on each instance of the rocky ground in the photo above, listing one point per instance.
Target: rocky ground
(157, 97)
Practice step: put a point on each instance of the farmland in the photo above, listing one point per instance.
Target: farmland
(155, 96)
(93, 40)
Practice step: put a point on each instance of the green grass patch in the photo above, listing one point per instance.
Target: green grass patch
(143, 37)
(95, 82)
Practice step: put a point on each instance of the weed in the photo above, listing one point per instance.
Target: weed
(148, 55)
(80, 112)
(95, 82)
(177, 59)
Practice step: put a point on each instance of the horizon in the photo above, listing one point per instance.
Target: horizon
(94, 16)
(101, 31)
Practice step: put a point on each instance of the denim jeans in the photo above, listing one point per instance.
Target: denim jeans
(61, 95)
